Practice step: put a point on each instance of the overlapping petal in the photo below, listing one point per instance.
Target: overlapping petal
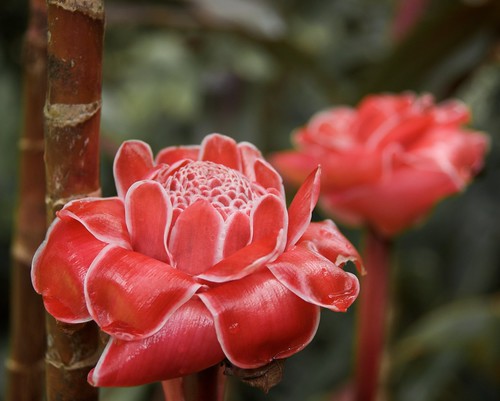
(257, 320)
(267, 177)
(103, 218)
(131, 296)
(221, 150)
(237, 233)
(60, 266)
(329, 242)
(416, 191)
(268, 218)
(148, 217)
(196, 240)
(249, 154)
(133, 162)
(245, 261)
(174, 154)
(187, 343)
(314, 278)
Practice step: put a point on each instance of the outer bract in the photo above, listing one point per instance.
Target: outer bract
(386, 163)
(197, 259)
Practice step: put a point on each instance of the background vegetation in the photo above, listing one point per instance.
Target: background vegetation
(175, 71)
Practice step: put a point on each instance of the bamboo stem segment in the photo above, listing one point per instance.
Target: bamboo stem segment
(24, 365)
(72, 119)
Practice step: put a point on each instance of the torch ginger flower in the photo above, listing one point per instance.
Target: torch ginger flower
(196, 260)
(387, 162)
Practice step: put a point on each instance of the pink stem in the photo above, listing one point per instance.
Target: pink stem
(207, 385)
(372, 317)
(173, 389)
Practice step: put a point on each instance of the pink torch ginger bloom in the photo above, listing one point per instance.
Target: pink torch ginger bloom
(196, 260)
(386, 163)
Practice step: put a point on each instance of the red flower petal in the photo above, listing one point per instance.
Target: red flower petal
(245, 261)
(452, 113)
(456, 153)
(315, 279)
(173, 154)
(268, 218)
(60, 266)
(187, 343)
(131, 296)
(268, 177)
(148, 216)
(329, 242)
(237, 233)
(416, 191)
(104, 218)
(249, 155)
(133, 162)
(221, 150)
(196, 239)
(300, 210)
(257, 320)
(296, 165)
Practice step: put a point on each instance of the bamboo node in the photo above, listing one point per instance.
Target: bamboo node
(57, 204)
(25, 368)
(70, 115)
(92, 8)
(86, 363)
(22, 253)
(30, 145)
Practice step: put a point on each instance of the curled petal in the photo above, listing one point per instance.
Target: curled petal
(315, 279)
(131, 296)
(257, 320)
(102, 217)
(148, 215)
(133, 162)
(249, 155)
(329, 242)
(174, 154)
(197, 238)
(186, 344)
(300, 210)
(221, 150)
(245, 261)
(268, 177)
(60, 266)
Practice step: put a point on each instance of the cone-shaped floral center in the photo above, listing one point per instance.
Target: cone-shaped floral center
(226, 189)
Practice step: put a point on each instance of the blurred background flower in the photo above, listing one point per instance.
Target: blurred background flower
(176, 70)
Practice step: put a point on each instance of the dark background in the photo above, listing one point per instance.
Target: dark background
(175, 71)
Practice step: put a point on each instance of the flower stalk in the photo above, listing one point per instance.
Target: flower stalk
(372, 315)
(72, 118)
(207, 385)
(24, 366)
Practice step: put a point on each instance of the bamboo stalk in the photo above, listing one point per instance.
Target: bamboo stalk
(24, 365)
(72, 118)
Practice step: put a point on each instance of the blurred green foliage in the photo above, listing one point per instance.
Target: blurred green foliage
(175, 71)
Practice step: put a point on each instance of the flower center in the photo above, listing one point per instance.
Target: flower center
(226, 189)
